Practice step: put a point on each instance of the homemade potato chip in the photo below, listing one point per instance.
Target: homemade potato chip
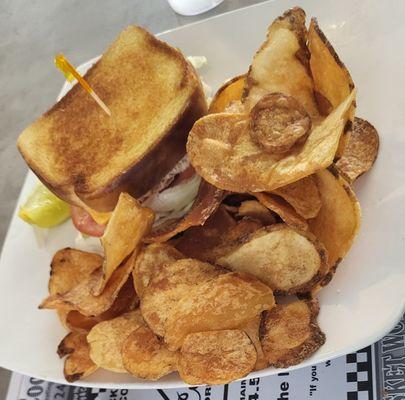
(283, 209)
(125, 301)
(207, 201)
(338, 221)
(360, 152)
(149, 260)
(332, 80)
(278, 122)
(78, 363)
(252, 329)
(69, 267)
(146, 357)
(216, 357)
(216, 236)
(288, 261)
(198, 241)
(128, 224)
(225, 302)
(168, 285)
(281, 63)
(218, 137)
(290, 333)
(255, 210)
(230, 91)
(107, 338)
(81, 297)
(303, 195)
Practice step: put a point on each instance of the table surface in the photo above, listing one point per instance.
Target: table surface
(31, 33)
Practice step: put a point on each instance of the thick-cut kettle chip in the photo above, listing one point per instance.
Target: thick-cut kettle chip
(218, 137)
(360, 152)
(287, 260)
(290, 333)
(216, 357)
(128, 225)
(225, 302)
(78, 363)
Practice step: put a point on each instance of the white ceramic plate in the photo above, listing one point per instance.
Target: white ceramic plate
(367, 295)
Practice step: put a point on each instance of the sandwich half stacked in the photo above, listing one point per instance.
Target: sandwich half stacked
(88, 158)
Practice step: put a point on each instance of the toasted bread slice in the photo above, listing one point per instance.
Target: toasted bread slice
(86, 157)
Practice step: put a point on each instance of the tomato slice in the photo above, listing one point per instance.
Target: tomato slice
(83, 222)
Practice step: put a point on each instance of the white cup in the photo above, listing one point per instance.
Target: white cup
(193, 7)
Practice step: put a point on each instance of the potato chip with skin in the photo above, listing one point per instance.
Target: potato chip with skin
(225, 302)
(360, 152)
(338, 220)
(69, 267)
(278, 122)
(252, 329)
(255, 210)
(216, 357)
(248, 168)
(283, 209)
(303, 195)
(281, 63)
(208, 242)
(145, 356)
(81, 297)
(149, 260)
(107, 338)
(168, 285)
(126, 301)
(287, 260)
(128, 225)
(332, 80)
(198, 241)
(229, 92)
(78, 363)
(207, 201)
(290, 333)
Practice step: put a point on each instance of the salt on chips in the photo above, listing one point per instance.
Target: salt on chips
(360, 152)
(78, 363)
(281, 63)
(149, 260)
(145, 356)
(69, 267)
(170, 283)
(216, 357)
(286, 260)
(225, 302)
(81, 297)
(290, 333)
(128, 224)
(248, 168)
(107, 338)
(125, 301)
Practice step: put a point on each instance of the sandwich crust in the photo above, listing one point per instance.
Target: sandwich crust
(85, 156)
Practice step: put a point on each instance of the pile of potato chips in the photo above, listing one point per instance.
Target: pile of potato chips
(230, 287)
